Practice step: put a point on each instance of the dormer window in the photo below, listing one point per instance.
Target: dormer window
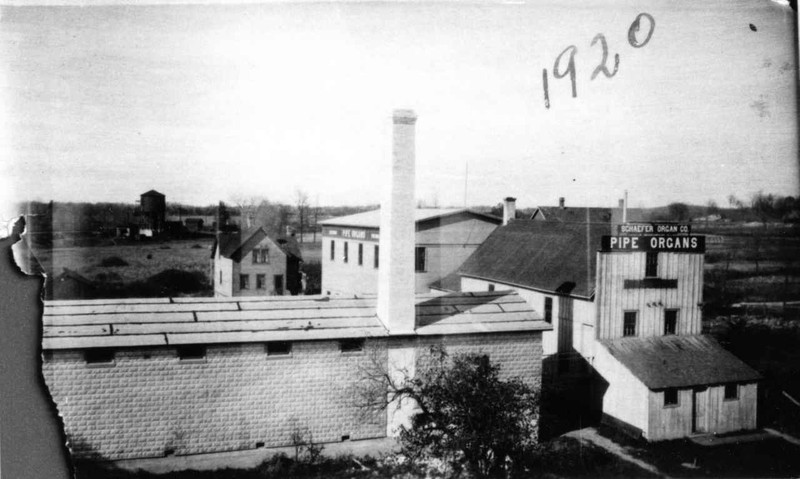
(651, 265)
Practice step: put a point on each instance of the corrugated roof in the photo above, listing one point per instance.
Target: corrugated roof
(541, 255)
(679, 361)
(237, 245)
(372, 219)
(165, 321)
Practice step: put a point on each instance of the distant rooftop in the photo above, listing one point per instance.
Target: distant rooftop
(175, 321)
(372, 219)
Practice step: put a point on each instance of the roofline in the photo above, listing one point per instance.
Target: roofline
(539, 290)
(492, 218)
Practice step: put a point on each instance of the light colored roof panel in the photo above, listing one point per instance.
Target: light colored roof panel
(139, 308)
(78, 319)
(290, 318)
(372, 219)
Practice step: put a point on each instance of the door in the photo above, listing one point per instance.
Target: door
(278, 282)
(699, 404)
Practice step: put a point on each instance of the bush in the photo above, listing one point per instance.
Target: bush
(112, 261)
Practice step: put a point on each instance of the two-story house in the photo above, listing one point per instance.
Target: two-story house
(250, 263)
(625, 304)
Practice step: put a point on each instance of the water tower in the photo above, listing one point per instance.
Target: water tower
(154, 210)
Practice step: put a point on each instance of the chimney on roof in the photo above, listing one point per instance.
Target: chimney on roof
(561, 202)
(396, 279)
(509, 209)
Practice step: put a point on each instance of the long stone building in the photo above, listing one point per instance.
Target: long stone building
(142, 378)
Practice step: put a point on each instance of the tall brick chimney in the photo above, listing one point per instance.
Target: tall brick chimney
(396, 276)
(561, 202)
(509, 209)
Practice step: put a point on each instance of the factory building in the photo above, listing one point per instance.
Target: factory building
(443, 239)
(138, 378)
(250, 263)
(624, 300)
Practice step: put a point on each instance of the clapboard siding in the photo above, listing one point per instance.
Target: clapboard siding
(614, 299)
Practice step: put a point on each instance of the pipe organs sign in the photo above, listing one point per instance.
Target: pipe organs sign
(659, 243)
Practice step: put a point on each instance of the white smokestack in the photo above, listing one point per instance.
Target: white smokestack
(396, 273)
(509, 210)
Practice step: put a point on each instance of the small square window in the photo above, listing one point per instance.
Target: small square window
(731, 392)
(279, 348)
(670, 397)
(491, 287)
(99, 356)
(351, 345)
(192, 352)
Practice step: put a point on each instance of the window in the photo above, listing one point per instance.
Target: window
(651, 264)
(346, 251)
(670, 397)
(419, 259)
(261, 281)
(333, 250)
(360, 254)
(220, 277)
(377, 252)
(731, 392)
(491, 287)
(548, 310)
(99, 356)
(670, 321)
(629, 324)
(192, 352)
(351, 345)
(244, 281)
(279, 348)
(261, 256)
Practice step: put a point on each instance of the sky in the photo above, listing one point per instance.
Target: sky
(217, 102)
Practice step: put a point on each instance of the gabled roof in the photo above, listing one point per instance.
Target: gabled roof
(572, 215)
(679, 361)
(372, 219)
(238, 244)
(175, 321)
(542, 255)
(152, 193)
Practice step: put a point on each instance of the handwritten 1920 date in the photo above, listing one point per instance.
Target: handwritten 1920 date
(565, 62)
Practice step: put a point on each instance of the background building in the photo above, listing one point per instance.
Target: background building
(443, 239)
(250, 263)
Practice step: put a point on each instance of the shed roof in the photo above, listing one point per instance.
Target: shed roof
(541, 255)
(372, 219)
(238, 244)
(679, 361)
(173, 321)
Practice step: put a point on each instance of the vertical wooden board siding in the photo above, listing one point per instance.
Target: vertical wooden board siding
(613, 300)
(732, 415)
(670, 422)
